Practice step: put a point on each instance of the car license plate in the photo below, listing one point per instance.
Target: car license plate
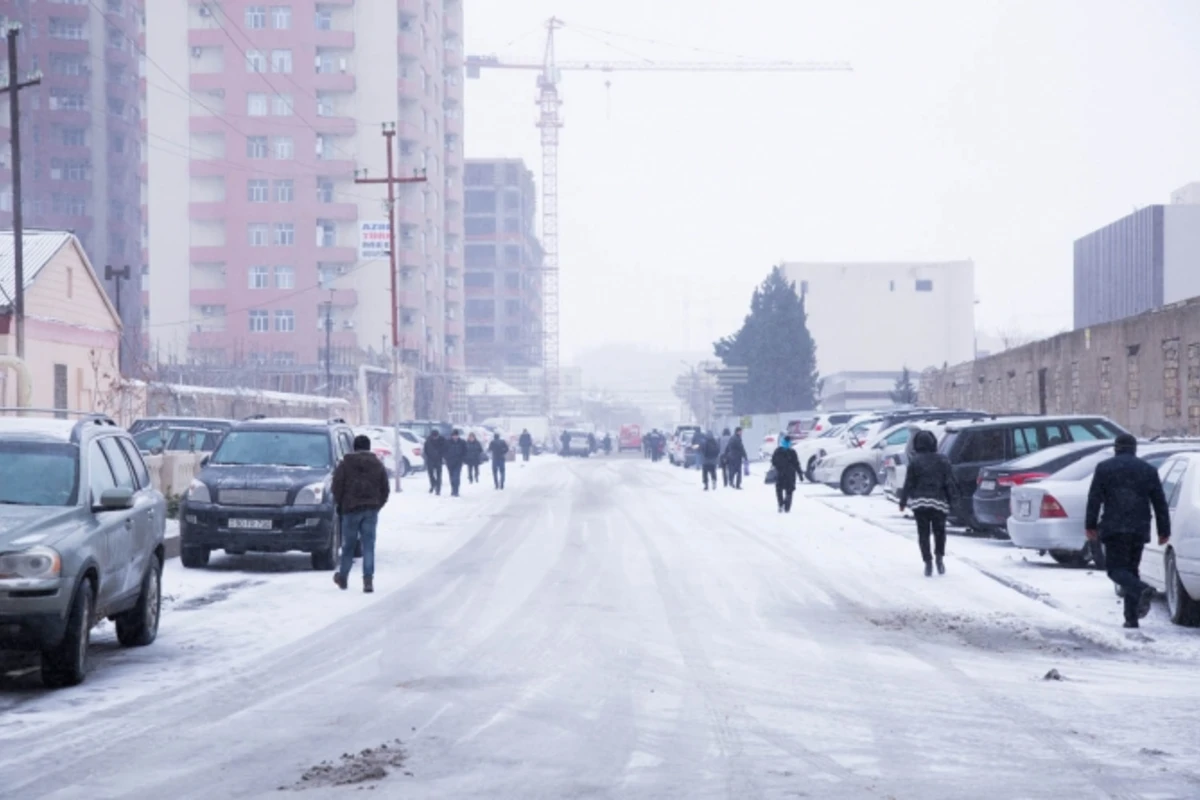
(987, 486)
(1023, 508)
(251, 524)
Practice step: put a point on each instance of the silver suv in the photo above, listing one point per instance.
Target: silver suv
(81, 539)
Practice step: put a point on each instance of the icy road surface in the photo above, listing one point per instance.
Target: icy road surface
(606, 629)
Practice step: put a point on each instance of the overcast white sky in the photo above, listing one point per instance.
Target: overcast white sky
(997, 130)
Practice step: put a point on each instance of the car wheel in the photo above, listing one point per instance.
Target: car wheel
(193, 556)
(138, 626)
(1071, 558)
(66, 665)
(405, 468)
(858, 481)
(1184, 609)
(325, 560)
(810, 472)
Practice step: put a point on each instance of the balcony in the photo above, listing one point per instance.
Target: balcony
(335, 126)
(410, 45)
(209, 124)
(208, 254)
(208, 37)
(410, 87)
(336, 255)
(211, 297)
(336, 40)
(338, 212)
(206, 211)
(207, 168)
(205, 82)
(343, 298)
(334, 82)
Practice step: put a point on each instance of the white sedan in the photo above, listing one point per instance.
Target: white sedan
(855, 470)
(1048, 515)
(1174, 570)
(383, 444)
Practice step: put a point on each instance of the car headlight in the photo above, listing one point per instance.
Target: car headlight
(311, 495)
(34, 563)
(198, 492)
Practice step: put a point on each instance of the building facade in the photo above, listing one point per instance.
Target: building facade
(855, 311)
(503, 261)
(1141, 262)
(80, 134)
(258, 265)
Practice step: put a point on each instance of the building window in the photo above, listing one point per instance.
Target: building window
(324, 105)
(256, 147)
(512, 200)
(480, 175)
(285, 191)
(324, 147)
(281, 61)
(285, 321)
(479, 280)
(481, 309)
(283, 359)
(68, 64)
(256, 18)
(512, 334)
(479, 255)
(324, 190)
(324, 19)
(66, 29)
(512, 307)
(257, 190)
(480, 226)
(64, 100)
(258, 234)
(924, 286)
(281, 17)
(60, 387)
(285, 234)
(326, 233)
(282, 105)
(256, 104)
(259, 278)
(74, 137)
(512, 174)
(256, 61)
(512, 280)
(480, 202)
(512, 225)
(285, 277)
(512, 255)
(284, 147)
(480, 333)
(260, 322)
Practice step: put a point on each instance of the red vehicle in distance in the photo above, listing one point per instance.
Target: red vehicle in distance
(630, 438)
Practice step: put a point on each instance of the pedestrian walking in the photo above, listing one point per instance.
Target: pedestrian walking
(726, 436)
(499, 451)
(566, 442)
(526, 444)
(360, 488)
(930, 491)
(1125, 489)
(736, 457)
(606, 443)
(435, 454)
(787, 471)
(474, 458)
(591, 443)
(710, 454)
(456, 456)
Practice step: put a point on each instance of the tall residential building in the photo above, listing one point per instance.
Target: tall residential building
(80, 133)
(503, 260)
(855, 309)
(258, 243)
(1143, 261)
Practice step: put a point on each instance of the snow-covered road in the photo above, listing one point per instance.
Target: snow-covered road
(606, 629)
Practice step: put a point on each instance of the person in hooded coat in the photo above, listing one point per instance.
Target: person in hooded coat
(787, 472)
(724, 463)
(474, 458)
(526, 444)
(498, 448)
(736, 458)
(566, 442)
(710, 456)
(435, 454)
(930, 491)
(456, 456)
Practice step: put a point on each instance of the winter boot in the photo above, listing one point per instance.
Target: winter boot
(1144, 601)
(368, 585)
(340, 580)
(1131, 623)
(941, 566)
(928, 569)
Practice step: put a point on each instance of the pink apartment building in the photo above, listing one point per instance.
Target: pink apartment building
(254, 213)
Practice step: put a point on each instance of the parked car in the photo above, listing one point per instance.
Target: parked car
(578, 444)
(992, 498)
(680, 451)
(266, 489)
(896, 458)
(855, 470)
(1174, 569)
(81, 540)
(1048, 514)
(153, 441)
(854, 434)
(769, 443)
(629, 438)
(413, 449)
(152, 433)
(383, 445)
(821, 423)
(423, 427)
(973, 445)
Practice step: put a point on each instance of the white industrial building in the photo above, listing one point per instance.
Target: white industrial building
(884, 316)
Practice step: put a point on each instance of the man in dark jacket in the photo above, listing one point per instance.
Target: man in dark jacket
(435, 455)
(566, 442)
(725, 437)
(787, 470)
(710, 454)
(456, 456)
(499, 451)
(526, 444)
(735, 458)
(474, 458)
(360, 489)
(591, 443)
(1127, 489)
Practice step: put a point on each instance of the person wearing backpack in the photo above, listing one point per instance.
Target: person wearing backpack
(710, 455)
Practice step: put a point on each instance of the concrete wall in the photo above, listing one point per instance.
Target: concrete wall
(1143, 372)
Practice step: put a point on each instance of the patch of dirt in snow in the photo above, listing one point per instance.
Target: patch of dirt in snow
(367, 767)
(214, 595)
(994, 632)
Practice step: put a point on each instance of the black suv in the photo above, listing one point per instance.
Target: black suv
(970, 446)
(266, 489)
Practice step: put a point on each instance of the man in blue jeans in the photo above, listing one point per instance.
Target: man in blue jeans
(360, 489)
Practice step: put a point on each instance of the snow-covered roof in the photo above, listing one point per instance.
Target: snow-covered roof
(278, 397)
(491, 387)
(40, 247)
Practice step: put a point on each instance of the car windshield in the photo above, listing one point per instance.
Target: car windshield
(833, 432)
(278, 448)
(409, 436)
(38, 474)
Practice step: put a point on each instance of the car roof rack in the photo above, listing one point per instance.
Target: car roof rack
(253, 417)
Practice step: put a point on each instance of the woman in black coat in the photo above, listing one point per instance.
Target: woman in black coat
(929, 490)
(787, 471)
(474, 458)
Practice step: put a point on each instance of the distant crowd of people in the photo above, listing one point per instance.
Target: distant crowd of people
(455, 452)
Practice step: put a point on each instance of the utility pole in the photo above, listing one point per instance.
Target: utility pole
(329, 345)
(391, 181)
(13, 89)
(123, 274)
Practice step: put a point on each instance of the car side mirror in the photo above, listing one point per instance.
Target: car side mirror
(118, 499)
(204, 462)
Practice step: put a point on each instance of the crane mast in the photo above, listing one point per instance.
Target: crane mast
(550, 123)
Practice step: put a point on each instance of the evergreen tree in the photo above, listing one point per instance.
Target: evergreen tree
(905, 393)
(776, 349)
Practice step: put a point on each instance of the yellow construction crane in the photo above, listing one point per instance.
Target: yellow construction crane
(549, 122)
